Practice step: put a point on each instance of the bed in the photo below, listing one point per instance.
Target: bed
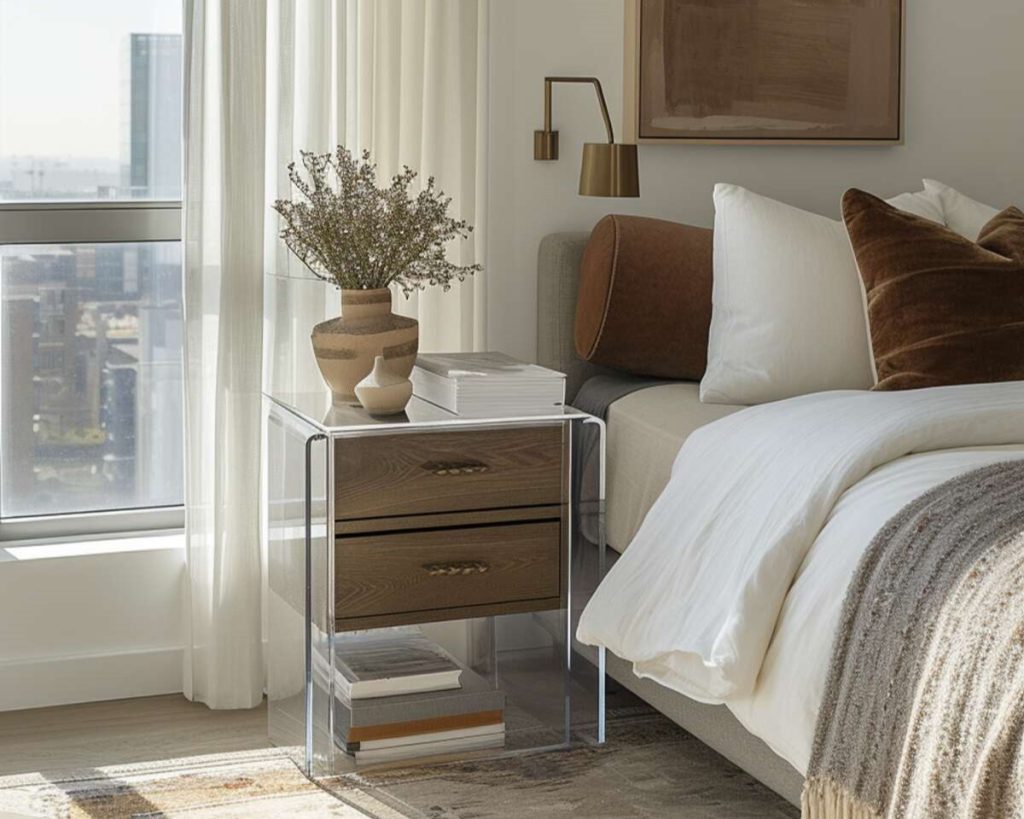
(758, 705)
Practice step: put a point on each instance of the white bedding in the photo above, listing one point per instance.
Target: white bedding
(783, 707)
(760, 529)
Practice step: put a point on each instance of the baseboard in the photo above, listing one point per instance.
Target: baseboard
(42, 682)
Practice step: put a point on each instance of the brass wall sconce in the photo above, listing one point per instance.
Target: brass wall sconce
(609, 168)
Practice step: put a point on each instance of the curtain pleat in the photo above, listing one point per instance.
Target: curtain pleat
(422, 103)
(223, 230)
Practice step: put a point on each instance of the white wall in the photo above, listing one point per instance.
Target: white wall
(964, 124)
(91, 621)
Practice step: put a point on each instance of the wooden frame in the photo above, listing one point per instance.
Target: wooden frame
(632, 95)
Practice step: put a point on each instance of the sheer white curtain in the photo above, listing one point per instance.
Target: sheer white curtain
(224, 145)
(405, 79)
(421, 82)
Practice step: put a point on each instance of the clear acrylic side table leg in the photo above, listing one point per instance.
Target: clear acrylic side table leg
(587, 567)
(298, 679)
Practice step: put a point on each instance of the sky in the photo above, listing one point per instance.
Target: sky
(61, 72)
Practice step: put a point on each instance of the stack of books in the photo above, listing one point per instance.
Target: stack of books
(400, 695)
(481, 383)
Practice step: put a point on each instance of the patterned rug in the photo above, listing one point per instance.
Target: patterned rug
(648, 768)
(250, 784)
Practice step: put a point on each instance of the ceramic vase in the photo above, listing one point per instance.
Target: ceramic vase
(383, 392)
(346, 347)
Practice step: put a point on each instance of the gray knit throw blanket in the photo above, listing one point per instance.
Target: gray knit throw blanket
(923, 714)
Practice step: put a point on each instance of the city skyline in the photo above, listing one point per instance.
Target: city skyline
(92, 378)
(91, 333)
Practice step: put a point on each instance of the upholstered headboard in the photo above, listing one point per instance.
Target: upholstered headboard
(558, 271)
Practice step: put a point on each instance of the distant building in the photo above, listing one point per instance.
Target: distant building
(120, 423)
(17, 437)
(152, 130)
(159, 396)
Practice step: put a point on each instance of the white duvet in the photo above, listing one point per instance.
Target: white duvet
(731, 591)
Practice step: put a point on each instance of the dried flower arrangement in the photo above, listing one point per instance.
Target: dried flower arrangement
(359, 236)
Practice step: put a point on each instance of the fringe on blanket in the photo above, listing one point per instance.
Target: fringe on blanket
(823, 798)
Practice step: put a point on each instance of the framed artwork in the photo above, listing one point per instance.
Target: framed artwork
(764, 71)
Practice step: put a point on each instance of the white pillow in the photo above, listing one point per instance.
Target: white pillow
(961, 213)
(787, 303)
(923, 203)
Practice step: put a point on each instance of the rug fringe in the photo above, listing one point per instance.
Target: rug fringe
(823, 798)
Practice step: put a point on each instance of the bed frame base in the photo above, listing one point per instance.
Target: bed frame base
(716, 727)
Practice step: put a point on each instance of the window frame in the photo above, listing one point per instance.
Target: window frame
(28, 222)
(92, 222)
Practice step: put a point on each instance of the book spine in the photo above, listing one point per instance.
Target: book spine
(370, 712)
(423, 726)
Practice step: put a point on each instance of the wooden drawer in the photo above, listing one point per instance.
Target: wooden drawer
(445, 574)
(422, 473)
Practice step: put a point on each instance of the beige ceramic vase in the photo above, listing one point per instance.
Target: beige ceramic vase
(383, 392)
(346, 347)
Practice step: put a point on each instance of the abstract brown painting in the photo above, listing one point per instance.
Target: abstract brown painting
(764, 70)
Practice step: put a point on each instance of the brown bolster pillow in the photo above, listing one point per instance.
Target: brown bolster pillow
(644, 302)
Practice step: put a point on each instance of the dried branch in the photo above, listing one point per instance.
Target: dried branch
(359, 236)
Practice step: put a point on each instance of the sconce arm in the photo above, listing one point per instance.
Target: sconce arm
(549, 81)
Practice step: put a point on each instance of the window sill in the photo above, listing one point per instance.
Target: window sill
(48, 550)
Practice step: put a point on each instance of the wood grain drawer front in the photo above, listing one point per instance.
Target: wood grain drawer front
(419, 473)
(445, 573)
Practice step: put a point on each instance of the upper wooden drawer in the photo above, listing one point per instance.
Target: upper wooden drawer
(418, 473)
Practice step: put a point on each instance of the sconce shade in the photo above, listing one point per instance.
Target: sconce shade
(609, 169)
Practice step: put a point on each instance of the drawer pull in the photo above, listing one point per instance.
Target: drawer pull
(456, 568)
(455, 467)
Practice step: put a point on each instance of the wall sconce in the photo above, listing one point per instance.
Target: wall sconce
(609, 168)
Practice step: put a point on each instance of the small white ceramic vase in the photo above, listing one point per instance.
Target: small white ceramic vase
(383, 392)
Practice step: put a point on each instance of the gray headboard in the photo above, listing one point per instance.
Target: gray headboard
(558, 273)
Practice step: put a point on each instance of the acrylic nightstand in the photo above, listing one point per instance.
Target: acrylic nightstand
(479, 533)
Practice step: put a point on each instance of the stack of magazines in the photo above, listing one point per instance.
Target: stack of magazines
(482, 383)
(400, 695)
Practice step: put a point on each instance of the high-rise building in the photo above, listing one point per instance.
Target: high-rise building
(159, 397)
(17, 395)
(152, 130)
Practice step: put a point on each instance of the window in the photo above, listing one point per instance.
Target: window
(91, 406)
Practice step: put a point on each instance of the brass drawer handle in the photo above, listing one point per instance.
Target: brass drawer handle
(457, 568)
(455, 467)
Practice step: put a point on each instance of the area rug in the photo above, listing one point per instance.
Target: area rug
(251, 784)
(648, 768)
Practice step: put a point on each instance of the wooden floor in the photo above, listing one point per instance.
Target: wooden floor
(75, 737)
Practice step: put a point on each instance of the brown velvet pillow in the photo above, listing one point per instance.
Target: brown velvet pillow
(644, 302)
(941, 308)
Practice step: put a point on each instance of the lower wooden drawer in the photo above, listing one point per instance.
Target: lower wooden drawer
(446, 574)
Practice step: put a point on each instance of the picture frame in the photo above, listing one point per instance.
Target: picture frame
(701, 94)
